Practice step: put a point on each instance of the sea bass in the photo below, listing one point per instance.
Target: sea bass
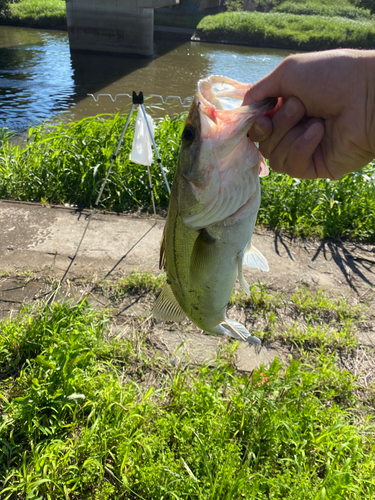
(212, 210)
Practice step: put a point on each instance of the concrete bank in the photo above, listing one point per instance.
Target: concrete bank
(38, 243)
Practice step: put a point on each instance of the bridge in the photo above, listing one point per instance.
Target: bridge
(123, 26)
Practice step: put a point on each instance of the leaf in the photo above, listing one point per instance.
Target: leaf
(188, 470)
(41, 360)
(77, 398)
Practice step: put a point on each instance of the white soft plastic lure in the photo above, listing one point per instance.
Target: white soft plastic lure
(212, 211)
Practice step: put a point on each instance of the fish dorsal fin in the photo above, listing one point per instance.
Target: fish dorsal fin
(163, 255)
(239, 331)
(166, 307)
(203, 254)
(253, 258)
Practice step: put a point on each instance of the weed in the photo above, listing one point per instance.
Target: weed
(137, 282)
(321, 9)
(319, 302)
(37, 12)
(73, 426)
(284, 30)
(67, 163)
(261, 299)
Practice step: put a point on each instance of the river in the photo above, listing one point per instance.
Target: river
(40, 79)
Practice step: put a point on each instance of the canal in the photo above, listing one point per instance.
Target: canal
(40, 79)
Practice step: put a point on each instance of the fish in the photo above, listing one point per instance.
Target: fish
(213, 206)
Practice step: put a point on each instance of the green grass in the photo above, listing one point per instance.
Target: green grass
(270, 5)
(307, 318)
(137, 282)
(44, 13)
(79, 422)
(283, 30)
(67, 163)
(313, 8)
(321, 208)
(320, 9)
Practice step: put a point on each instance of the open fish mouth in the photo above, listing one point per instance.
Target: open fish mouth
(219, 93)
(219, 100)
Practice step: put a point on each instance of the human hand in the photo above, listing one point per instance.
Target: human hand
(324, 123)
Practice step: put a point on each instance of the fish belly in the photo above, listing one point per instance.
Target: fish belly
(205, 292)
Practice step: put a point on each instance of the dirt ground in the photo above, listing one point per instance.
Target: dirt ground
(38, 248)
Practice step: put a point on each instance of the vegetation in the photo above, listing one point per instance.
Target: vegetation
(45, 13)
(272, 5)
(320, 208)
(319, 9)
(90, 416)
(67, 164)
(287, 30)
(306, 318)
(366, 4)
(305, 25)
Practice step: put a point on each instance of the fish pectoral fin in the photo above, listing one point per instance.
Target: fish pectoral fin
(166, 307)
(202, 255)
(238, 331)
(253, 258)
(163, 255)
(263, 169)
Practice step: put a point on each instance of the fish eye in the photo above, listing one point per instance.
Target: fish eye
(189, 133)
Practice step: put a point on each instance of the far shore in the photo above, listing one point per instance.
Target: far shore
(284, 31)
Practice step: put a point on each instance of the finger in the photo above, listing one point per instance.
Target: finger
(261, 129)
(282, 122)
(297, 153)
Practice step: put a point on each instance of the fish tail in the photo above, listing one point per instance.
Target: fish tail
(236, 330)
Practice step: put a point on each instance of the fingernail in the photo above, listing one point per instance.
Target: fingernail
(310, 132)
(292, 107)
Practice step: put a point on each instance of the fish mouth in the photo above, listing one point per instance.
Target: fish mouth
(220, 97)
(240, 118)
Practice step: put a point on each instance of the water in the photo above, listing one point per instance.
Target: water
(40, 79)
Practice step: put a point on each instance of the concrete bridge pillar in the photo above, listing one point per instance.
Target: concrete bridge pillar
(123, 26)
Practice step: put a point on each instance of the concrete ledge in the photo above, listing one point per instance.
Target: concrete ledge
(157, 4)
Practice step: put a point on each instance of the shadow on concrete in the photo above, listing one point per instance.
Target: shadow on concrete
(135, 301)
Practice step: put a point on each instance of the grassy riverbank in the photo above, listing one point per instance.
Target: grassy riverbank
(66, 164)
(309, 25)
(288, 31)
(87, 414)
(36, 13)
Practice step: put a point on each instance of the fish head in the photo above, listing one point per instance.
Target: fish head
(215, 150)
